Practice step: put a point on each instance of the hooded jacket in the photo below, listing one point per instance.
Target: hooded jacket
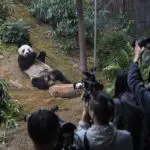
(103, 137)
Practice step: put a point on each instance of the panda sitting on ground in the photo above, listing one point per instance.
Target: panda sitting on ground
(41, 75)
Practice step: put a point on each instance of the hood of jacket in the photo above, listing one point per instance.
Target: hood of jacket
(101, 136)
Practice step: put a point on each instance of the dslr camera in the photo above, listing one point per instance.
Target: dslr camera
(143, 42)
(89, 83)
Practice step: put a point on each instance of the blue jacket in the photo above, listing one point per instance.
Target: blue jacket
(142, 94)
(136, 85)
(103, 137)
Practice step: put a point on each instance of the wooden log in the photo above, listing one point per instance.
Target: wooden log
(64, 91)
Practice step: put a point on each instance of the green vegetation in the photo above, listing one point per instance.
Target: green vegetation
(14, 32)
(61, 15)
(11, 32)
(114, 47)
(9, 108)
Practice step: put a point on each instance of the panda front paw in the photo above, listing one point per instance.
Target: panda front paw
(42, 56)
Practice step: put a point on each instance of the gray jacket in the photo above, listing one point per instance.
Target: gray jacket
(103, 137)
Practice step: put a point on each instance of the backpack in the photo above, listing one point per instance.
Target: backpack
(129, 116)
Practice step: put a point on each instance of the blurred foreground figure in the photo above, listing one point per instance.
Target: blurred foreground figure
(43, 129)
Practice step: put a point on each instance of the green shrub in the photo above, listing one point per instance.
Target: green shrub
(51, 11)
(110, 44)
(61, 15)
(145, 65)
(14, 32)
(9, 108)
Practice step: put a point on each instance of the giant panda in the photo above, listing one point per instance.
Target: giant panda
(42, 75)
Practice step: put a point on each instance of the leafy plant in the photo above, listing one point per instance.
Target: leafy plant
(114, 54)
(110, 44)
(121, 61)
(9, 108)
(61, 15)
(14, 32)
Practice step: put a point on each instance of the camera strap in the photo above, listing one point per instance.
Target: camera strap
(86, 142)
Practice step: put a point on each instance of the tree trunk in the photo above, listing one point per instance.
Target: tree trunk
(83, 61)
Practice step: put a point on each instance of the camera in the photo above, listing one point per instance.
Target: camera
(66, 137)
(90, 84)
(143, 42)
(66, 133)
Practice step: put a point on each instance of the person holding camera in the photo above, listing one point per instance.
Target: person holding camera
(43, 129)
(142, 93)
(94, 130)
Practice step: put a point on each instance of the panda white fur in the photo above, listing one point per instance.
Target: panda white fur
(41, 74)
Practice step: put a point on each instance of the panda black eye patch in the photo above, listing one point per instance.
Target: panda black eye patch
(29, 50)
(23, 50)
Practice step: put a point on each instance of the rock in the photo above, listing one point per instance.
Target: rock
(1, 56)
(64, 91)
(15, 85)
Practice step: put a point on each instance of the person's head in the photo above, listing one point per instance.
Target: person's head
(121, 84)
(43, 129)
(101, 108)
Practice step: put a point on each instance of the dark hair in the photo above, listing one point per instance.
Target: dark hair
(103, 107)
(121, 84)
(43, 126)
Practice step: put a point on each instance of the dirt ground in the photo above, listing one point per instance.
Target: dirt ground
(31, 98)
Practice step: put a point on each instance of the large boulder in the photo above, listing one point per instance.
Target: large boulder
(64, 91)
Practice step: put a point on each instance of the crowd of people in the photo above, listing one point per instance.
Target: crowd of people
(121, 122)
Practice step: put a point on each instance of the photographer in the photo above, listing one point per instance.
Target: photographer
(94, 131)
(138, 88)
(43, 129)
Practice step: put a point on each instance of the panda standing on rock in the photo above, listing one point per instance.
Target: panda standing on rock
(41, 75)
